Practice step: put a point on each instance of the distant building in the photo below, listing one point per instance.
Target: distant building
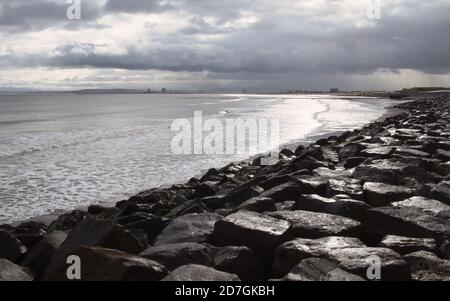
(334, 90)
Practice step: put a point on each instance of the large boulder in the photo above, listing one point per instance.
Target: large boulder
(193, 272)
(68, 221)
(426, 266)
(409, 222)
(348, 186)
(404, 245)
(380, 194)
(284, 192)
(93, 232)
(189, 228)
(258, 204)
(441, 192)
(292, 252)
(30, 233)
(308, 224)
(39, 257)
(427, 205)
(382, 171)
(100, 264)
(359, 260)
(179, 254)
(241, 261)
(152, 225)
(12, 272)
(259, 232)
(319, 269)
(343, 207)
(11, 248)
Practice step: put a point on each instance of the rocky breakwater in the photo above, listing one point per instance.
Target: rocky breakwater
(323, 212)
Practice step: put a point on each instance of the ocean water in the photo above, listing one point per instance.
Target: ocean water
(60, 152)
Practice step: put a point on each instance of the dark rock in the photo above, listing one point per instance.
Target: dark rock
(176, 255)
(441, 192)
(151, 224)
(348, 186)
(286, 152)
(300, 149)
(319, 269)
(312, 185)
(68, 221)
(189, 228)
(93, 232)
(215, 202)
(407, 151)
(378, 151)
(205, 189)
(307, 224)
(310, 163)
(11, 248)
(259, 232)
(30, 233)
(350, 150)
(410, 222)
(193, 272)
(285, 192)
(359, 260)
(352, 162)
(39, 257)
(244, 193)
(343, 207)
(258, 204)
(442, 155)
(284, 206)
(380, 194)
(12, 272)
(383, 171)
(325, 154)
(292, 252)
(100, 264)
(275, 181)
(426, 266)
(405, 245)
(240, 261)
(427, 205)
(96, 209)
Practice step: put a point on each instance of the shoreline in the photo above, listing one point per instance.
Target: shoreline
(381, 190)
(390, 111)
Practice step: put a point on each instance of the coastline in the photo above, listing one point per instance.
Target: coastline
(390, 111)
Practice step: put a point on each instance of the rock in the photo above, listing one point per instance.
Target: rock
(382, 171)
(30, 233)
(152, 225)
(275, 181)
(240, 261)
(426, 266)
(244, 193)
(11, 248)
(215, 202)
(300, 149)
(405, 245)
(343, 207)
(100, 264)
(307, 224)
(380, 194)
(93, 232)
(258, 204)
(407, 151)
(441, 192)
(193, 272)
(205, 189)
(12, 272)
(350, 150)
(259, 232)
(427, 205)
(39, 257)
(352, 162)
(292, 252)
(285, 192)
(359, 260)
(189, 228)
(325, 154)
(310, 163)
(379, 151)
(312, 185)
(319, 269)
(176, 255)
(409, 222)
(442, 155)
(96, 209)
(348, 186)
(68, 221)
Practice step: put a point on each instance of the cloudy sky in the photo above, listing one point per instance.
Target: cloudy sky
(217, 45)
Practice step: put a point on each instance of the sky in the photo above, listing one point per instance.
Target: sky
(224, 46)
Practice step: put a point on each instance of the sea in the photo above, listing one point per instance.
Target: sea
(61, 152)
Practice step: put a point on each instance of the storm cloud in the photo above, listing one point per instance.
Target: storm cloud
(229, 44)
